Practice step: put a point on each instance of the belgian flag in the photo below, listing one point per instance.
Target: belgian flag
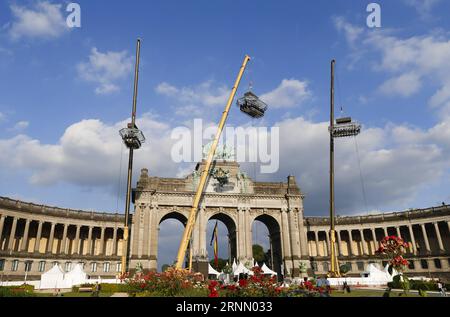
(214, 238)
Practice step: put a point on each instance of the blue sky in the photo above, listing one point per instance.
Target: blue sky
(66, 92)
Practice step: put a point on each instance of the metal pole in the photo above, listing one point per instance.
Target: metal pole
(334, 266)
(125, 252)
(192, 216)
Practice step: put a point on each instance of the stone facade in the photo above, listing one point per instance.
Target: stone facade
(33, 237)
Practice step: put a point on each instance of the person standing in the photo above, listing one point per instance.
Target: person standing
(441, 289)
(327, 287)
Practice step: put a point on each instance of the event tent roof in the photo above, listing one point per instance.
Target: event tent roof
(212, 271)
(265, 269)
(241, 269)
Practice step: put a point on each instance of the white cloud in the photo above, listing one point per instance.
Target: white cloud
(404, 85)
(21, 125)
(423, 7)
(18, 126)
(409, 62)
(352, 32)
(194, 99)
(88, 153)
(290, 93)
(105, 69)
(43, 20)
(388, 181)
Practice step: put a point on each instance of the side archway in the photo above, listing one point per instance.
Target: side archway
(231, 245)
(275, 257)
(170, 231)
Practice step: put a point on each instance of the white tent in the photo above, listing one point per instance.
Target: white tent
(53, 278)
(394, 272)
(241, 269)
(212, 271)
(234, 266)
(255, 264)
(76, 276)
(374, 274)
(265, 269)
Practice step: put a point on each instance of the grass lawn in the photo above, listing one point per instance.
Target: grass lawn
(73, 294)
(374, 293)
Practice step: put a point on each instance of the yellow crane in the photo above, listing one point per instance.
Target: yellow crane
(201, 186)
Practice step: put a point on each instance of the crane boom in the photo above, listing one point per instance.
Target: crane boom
(201, 186)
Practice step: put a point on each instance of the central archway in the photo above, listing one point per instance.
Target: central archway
(227, 232)
(275, 251)
(171, 228)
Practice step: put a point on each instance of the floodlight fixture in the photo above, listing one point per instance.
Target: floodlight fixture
(132, 137)
(345, 127)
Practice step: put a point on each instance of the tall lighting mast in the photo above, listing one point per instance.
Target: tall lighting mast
(133, 139)
(343, 127)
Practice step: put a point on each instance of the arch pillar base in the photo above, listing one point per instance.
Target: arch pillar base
(147, 265)
(200, 266)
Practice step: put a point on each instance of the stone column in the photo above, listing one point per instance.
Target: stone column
(12, 235)
(385, 232)
(146, 233)
(77, 240)
(363, 242)
(339, 247)
(427, 243)
(64, 239)
(240, 235)
(285, 236)
(50, 238)
(316, 239)
(196, 239)
(102, 241)
(203, 225)
(114, 248)
(398, 232)
(138, 228)
(413, 240)
(153, 239)
(2, 224)
(327, 238)
(350, 238)
(249, 233)
(439, 238)
(375, 242)
(90, 241)
(294, 233)
(23, 246)
(38, 237)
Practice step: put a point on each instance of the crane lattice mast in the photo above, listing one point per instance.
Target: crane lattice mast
(201, 186)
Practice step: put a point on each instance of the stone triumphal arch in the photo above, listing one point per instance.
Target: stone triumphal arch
(234, 199)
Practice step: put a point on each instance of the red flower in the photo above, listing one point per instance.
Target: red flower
(232, 287)
(243, 283)
(213, 293)
(213, 284)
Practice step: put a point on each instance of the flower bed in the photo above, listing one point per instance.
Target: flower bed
(176, 283)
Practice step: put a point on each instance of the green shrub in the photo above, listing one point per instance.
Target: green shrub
(113, 288)
(17, 291)
(422, 293)
(27, 287)
(423, 285)
(87, 285)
